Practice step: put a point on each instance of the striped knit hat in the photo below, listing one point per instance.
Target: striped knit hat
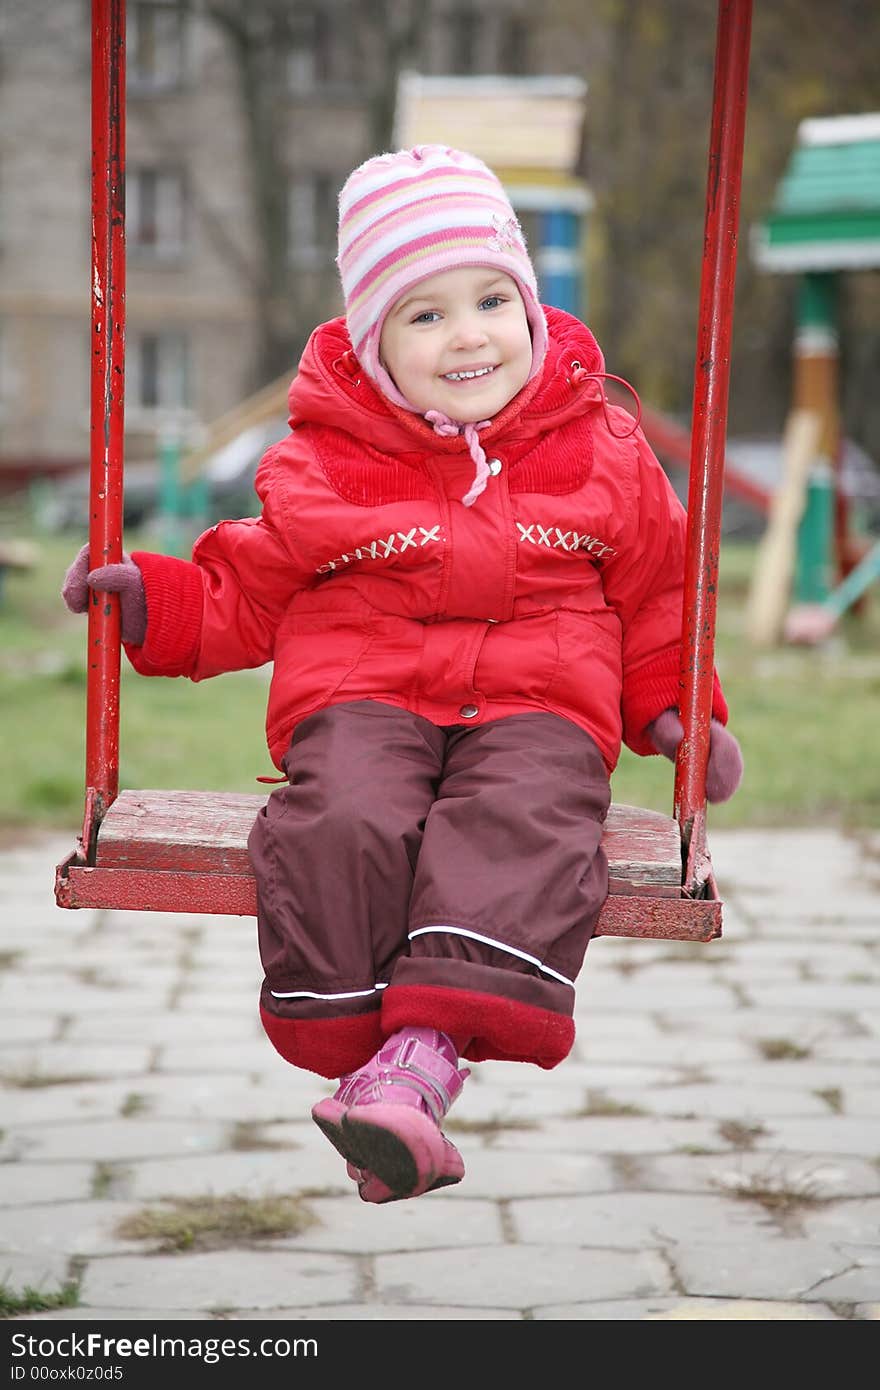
(405, 216)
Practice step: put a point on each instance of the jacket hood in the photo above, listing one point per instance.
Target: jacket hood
(330, 389)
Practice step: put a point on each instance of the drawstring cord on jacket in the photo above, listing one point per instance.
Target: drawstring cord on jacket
(447, 429)
(580, 374)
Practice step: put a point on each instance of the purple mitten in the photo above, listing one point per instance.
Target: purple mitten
(124, 579)
(724, 769)
(75, 589)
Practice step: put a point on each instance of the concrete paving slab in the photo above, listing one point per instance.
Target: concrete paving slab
(66, 1228)
(112, 1141)
(518, 1276)
(789, 1270)
(740, 1171)
(856, 1221)
(635, 1220)
(165, 1282)
(24, 1183)
(150, 1077)
(688, 1310)
(378, 1312)
(400, 1226)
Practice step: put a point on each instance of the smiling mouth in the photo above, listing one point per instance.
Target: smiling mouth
(468, 376)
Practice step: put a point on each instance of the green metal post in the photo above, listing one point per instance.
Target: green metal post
(170, 490)
(816, 353)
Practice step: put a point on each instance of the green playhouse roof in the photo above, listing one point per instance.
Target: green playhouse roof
(826, 212)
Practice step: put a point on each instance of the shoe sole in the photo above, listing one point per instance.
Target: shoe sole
(399, 1146)
(372, 1189)
(403, 1148)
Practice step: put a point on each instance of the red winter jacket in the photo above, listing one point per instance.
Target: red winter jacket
(365, 577)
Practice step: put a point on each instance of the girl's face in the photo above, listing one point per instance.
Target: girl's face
(459, 342)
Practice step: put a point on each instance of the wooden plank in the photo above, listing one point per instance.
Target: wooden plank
(644, 852)
(142, 890)
(206, 833)
(175, 831)
(664, 919)
(145, 890)
(770, 590)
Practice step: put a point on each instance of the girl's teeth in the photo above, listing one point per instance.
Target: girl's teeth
(466, 376)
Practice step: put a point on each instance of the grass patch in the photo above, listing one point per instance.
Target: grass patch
(104, 1178)
(687, 953)
(32, 1300)
(247, 1137)
(176, 734)
(779, 1194)
(488, 1128)
(599, 1104)
(216, 1223)
(134, 1104)
(37, 1080)
(781, 1050)
(96, 977)
(833, 1098)
(741, 1135)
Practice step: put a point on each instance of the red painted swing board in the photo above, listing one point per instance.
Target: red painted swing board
(186, 851)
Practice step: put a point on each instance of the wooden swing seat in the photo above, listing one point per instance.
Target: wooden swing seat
(186, 851)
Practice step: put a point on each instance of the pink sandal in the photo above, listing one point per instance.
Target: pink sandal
(385, 1118)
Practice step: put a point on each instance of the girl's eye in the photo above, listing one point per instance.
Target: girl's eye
(491, 301)
(429, 316)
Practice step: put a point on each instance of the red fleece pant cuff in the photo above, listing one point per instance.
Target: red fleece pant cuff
(499, 1029)
(332, 1047)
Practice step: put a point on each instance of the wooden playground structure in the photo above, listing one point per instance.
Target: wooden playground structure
(824, 224)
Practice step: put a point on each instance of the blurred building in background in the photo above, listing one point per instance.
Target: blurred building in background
(243, 119)
(245, 116)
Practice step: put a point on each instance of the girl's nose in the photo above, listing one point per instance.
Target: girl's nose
(469, 332)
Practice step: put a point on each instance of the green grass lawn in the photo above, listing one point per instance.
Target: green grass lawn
(807, 719)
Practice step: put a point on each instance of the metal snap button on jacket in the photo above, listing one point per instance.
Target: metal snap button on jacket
(495, 466)
(468, 711)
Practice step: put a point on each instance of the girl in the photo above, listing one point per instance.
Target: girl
(468, 574)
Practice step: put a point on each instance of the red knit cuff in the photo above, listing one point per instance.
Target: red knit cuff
(332, 1047)
(653, 688)
(500, 1029)
(174, 595)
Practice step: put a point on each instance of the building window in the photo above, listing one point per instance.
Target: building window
(465, 35)
(311, 218)
(321, 51)
(513, 47)
(154, 45)
(157, 373)
(155, 220)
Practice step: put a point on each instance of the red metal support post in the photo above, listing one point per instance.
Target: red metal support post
(708, 430)
(107, 405)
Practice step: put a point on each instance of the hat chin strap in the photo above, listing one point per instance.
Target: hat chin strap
(447, 429)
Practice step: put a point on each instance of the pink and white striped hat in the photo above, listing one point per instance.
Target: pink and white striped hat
(408, 215)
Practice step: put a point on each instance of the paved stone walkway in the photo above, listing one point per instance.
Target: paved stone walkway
(710, 1150)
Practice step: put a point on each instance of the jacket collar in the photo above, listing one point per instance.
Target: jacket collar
(331, 390)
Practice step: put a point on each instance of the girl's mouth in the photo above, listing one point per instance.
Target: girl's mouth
(470, 375)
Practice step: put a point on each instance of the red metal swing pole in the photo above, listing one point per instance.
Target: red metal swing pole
(107, 405)
(708, 430)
